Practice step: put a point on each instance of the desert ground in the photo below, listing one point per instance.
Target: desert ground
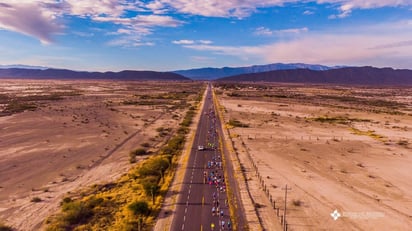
(335, 147)
(57, 137)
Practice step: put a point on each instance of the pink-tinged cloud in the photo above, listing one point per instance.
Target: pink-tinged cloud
(244, 8)
(217, 8)
(183, 42)
(331, 48)
(28, 19)
(40, 18)
(191, 42)
(93, 8)
(347, 6)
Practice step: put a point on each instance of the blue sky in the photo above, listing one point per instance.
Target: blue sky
(163, 35)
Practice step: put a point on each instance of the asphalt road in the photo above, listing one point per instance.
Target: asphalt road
(204, 188)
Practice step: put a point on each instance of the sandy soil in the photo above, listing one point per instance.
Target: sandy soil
(79, 140)
(357, 163)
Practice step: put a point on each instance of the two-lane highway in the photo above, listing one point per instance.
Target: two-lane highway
(202, 202)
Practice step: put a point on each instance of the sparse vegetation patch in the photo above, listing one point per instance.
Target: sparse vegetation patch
(134, 200)
(369, 133)
(237, 123)
(338, 119)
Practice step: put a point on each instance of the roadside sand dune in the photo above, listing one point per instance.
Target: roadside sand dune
(80, 139)
(337, 148)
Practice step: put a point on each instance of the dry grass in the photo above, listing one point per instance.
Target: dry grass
(79, 134)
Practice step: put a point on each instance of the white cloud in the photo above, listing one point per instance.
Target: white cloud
(42, 18)
(129, 41)
(263, 31)
(155, 20)
(218, 8)
(347, 6)
(124, 31)
(183, 42)
(138, 44)
(142, 21)
(190, 42)
(99, 8)
(379, 45)
(83, 34)
(205, 41)
(308, 12)
(406, 43)
(244, 8)
(293, 31)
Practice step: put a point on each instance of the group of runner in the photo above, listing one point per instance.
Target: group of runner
(213, 175)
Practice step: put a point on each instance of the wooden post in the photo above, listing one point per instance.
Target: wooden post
(284, 212)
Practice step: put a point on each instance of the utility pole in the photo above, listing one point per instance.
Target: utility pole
(284, 212)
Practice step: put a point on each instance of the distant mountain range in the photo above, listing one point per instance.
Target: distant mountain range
(278, 72)
(345, 75)
(210, 73)
(21, 73)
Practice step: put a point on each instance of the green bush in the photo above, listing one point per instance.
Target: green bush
(76, 212)
(183, 130)
(139, 208)
(4, 227)
(150, 188)
(36, 199)
(174, 145)
(66, 200)
(132, 158)
(154, 167)
(237, 123)
(139, 152)
(136, 152)
(187, 121)
(16, 107)
(160, 129)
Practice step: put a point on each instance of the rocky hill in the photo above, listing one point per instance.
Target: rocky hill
(21, 73)
(346, 75)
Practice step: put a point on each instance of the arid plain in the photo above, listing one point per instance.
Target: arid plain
(336, 148)
(58, 137)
